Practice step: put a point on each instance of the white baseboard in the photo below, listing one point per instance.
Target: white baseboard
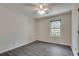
(53, 42)
(74, 52)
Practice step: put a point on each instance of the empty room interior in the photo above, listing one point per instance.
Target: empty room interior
(39, 29)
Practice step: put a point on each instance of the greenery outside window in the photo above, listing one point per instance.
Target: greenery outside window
(55, 28)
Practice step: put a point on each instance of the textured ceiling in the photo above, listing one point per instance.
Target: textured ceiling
(33, 5)
(29, 8)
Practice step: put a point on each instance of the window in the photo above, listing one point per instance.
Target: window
(55, 28)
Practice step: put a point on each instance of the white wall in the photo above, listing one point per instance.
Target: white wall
(78, 30)
(15, 29)
(43, 29)
(75, 29)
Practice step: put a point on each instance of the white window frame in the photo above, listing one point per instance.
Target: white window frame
(51, 28)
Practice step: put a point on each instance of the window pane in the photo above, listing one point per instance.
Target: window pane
(55, 28)
(55, 24)
(55, 32)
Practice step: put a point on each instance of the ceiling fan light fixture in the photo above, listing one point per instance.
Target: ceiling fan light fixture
(42, 9)
(41, 12)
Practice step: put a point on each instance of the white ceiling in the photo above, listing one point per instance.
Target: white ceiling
(29, 8)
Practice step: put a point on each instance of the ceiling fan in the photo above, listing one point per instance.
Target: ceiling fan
(40, 8)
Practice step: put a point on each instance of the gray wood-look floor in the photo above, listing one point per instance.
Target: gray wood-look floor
(40, 49)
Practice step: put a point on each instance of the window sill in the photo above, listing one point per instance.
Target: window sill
(54, 37)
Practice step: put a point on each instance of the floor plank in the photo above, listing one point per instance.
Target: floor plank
(39, 48)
